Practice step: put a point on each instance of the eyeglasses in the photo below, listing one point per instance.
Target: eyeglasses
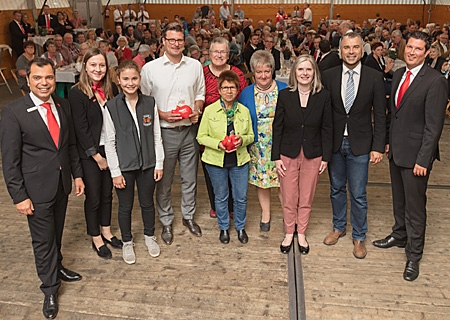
(173, 41)
(219, 53)
(228, 88)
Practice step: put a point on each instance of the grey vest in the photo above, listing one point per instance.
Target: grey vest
(134, 154)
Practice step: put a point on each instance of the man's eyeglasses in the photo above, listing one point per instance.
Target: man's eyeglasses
(173, 41)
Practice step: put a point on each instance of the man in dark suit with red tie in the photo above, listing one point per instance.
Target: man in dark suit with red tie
(416, 116)
(39, 155)
(47, 20)
(18, 34)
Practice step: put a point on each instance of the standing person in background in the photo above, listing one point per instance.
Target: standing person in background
(18, 33)
(142, 15)
(227, 117)
(302, 146)
(135, 155)
(296, 13)
(29, 29)
(47, 20)
(118, 16)
(87, 101)
(416, 114)
(76, 20)
(261, 99)
(239, 13)
(307, 14)
(39, 156)
(224, 12)
(129, 15)
(183, 84)
(358, 91)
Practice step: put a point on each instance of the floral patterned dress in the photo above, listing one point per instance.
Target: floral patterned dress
(262, 170)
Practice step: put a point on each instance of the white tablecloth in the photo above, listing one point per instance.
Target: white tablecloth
(39, 40)
(67, 75)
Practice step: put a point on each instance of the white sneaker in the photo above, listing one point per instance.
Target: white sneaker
(153, 247)
(128, 252)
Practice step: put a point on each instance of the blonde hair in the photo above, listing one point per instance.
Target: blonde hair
(316, 83)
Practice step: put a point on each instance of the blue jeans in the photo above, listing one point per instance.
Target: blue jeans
(239, 184)
(345, 166)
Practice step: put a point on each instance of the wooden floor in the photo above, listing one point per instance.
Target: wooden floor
(199, 278)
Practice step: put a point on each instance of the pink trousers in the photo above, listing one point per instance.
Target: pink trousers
(298, 187)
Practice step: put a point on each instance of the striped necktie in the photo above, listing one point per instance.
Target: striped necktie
(350, 92)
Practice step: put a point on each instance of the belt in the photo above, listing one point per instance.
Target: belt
(178, 128)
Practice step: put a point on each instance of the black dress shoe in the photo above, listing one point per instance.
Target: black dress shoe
(103, 251)
(114, 242)
(264, 226)
(411, 271)
(167, 234)
(224, 236)
(242, 236)
(68, 276)
(193, 227)
(286, 249)
(389, 242)
(50, 306)
(303, 250)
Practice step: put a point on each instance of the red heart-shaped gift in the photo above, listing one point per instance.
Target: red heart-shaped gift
(184, 111)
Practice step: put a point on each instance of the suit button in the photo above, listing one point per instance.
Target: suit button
(303, 126)
(348, 116)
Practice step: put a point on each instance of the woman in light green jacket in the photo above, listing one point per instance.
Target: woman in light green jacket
(226, 131)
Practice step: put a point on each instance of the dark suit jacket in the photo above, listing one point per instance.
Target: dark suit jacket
(32, 165)
(88, 121)
(329, 61)
(310, 129)
(17, 37)
(248, 55)
(438, 66)
(362, 136)
(416, 126)
(53, 21)
(276, 56)
(371, 62)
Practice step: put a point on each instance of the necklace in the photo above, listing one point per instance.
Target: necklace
(304, 93)
(264, 89)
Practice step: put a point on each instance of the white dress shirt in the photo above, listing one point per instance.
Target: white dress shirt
(171, 84)
(414, 72)
(356, 78)
(118, 15)
(43, 111)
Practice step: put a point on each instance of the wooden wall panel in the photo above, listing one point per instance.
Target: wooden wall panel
(440, 14)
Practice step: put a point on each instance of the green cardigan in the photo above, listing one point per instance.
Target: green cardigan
(213, 128)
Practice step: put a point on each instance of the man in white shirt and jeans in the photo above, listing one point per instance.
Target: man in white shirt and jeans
(175, 80)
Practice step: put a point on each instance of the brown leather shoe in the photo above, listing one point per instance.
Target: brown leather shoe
(333, 237)
(359, 249)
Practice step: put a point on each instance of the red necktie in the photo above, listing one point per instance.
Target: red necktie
(52, 123)
(98, 88)
(21, 28)
(403, 88)
(47, 21)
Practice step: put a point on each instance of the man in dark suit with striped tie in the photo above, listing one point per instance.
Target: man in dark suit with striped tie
(355, 90)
